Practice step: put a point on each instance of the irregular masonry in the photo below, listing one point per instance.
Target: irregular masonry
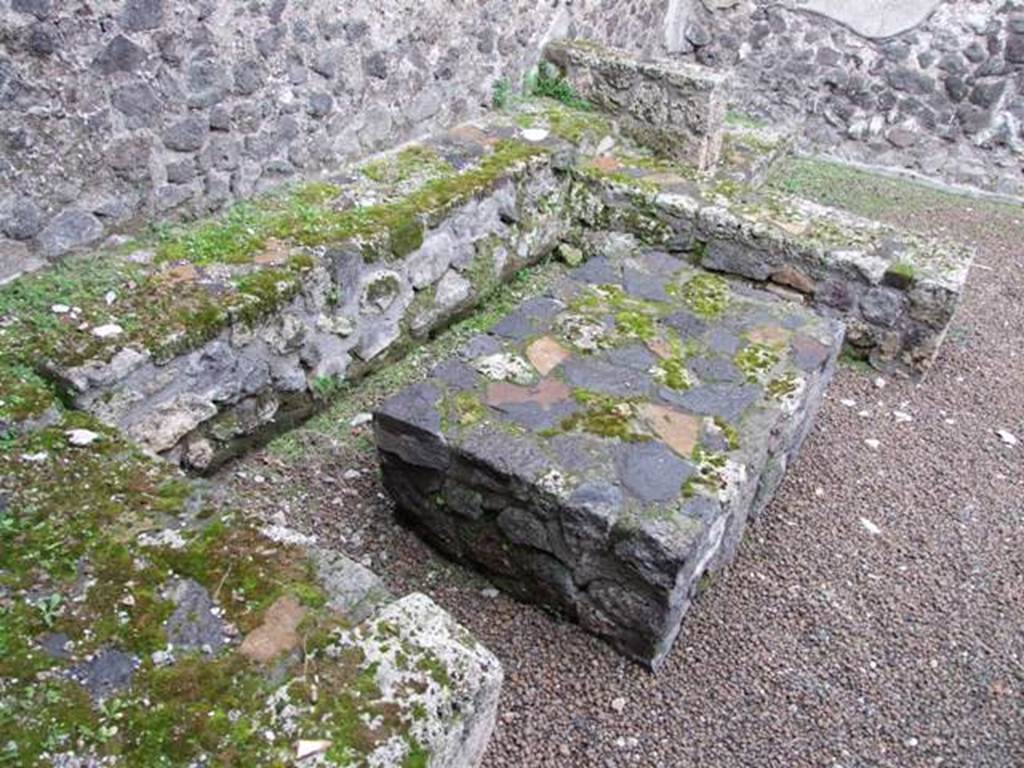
(176, 109)
(674, 108)
(326, 296)
(944, 98)
(601, 450)
(232, 330)
(896, 292)
(143, 625)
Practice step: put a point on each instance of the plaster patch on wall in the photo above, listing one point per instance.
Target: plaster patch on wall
(875, 19)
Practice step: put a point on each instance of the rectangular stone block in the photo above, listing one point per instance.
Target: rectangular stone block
(601, 449)
(675, 108)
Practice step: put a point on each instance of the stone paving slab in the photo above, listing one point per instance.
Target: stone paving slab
(601, 449)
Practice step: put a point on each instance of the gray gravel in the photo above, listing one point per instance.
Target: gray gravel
(874, 616)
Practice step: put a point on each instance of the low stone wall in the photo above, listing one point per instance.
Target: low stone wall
(674, 108)
(896, 293)
(355, 304)
(935, 87)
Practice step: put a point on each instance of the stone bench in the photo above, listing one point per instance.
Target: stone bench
(896, 292)
(203, 352)
(601, 450)
(675, 108)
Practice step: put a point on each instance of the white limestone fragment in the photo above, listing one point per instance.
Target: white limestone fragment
(109, 331)
(81, 438)
(1007, 437)
(307, 748)
(535, 135)
(506, 367)
(870, 527)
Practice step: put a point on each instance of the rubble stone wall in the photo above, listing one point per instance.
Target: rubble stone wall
(114, 112)
(935, 87)
(675, 108)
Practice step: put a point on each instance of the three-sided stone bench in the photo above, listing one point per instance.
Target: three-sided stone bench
(601, 450)
(231, 330)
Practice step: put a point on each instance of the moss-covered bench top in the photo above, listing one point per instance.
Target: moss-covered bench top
(171, 291)
(607, 438)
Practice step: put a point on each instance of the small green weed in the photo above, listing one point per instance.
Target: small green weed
(548, 82)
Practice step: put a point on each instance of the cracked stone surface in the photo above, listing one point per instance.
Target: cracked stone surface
(627, 467)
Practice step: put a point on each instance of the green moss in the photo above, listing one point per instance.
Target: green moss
(642, 219)
(417, 757)
(31, 331)
(901, 274)
(656, 164)
(468, 410)
(741, 120)
(236, 561)
(755, 360)
(635, 317)
(673, 374)
(672, 371)
(305, 216)
(873, 195)
(729, 189)
(619, 177)
(260, 294)
(233, 239)
(605, 416)
(73, 519)
(501, 92)
(383, 289)
(706, 295)
(732, 435)
(572, 124)
(635, 325)
(164, 315)
(409, 162)
(23, 394)
(405, 236)
(710, 475)
(431, 665)
(782, 387)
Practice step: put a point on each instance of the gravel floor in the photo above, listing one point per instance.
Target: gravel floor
(874, 616)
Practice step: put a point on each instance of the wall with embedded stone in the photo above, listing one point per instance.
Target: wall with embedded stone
(937, 87)
(114, 112)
